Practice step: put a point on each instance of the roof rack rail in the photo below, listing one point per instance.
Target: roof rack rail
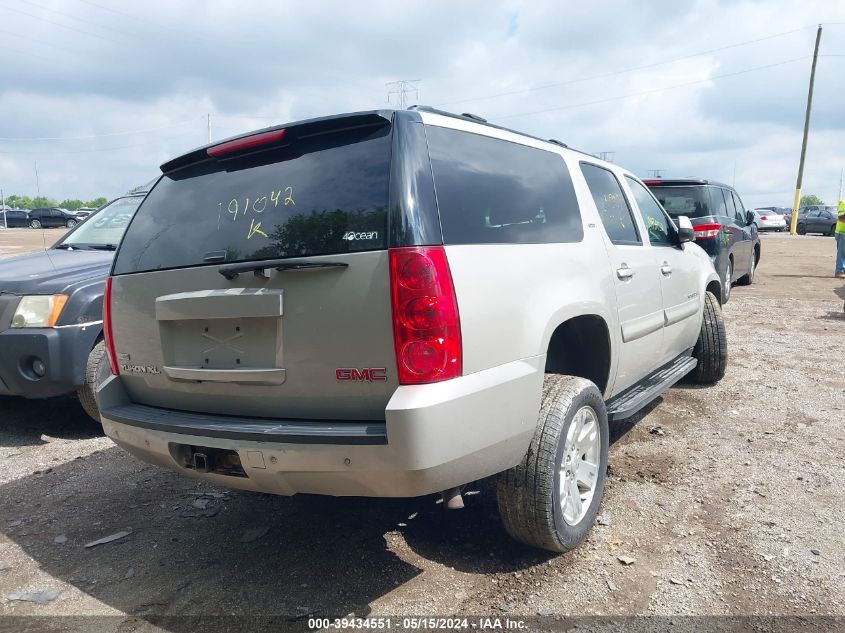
(466, 116)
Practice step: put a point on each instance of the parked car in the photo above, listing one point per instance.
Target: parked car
(83, 212)
(768, 220)
(51, 310)
(14, 218)
(314, 319)
(52, 217)
(723, 227)
(821, 219)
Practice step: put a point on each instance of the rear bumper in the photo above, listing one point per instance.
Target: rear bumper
(434, 437)
(63, 350)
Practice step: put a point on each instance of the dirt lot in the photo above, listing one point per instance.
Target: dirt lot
(19, 241)
(730, 499)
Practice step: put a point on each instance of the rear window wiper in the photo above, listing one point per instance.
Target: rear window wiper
(231, 271)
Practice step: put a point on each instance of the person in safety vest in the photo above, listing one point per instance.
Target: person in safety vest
(840, 241)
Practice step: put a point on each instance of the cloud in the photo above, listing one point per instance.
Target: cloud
(158, 69)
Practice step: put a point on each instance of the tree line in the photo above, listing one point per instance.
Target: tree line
(71, 204)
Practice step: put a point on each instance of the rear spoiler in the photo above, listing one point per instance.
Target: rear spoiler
(291, 131)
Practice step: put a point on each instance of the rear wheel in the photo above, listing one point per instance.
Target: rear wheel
(35, 224)
(711, 349)
(96, 371)
(727, 283)
(71, 224)
(832, 231)
(551, 498)
(801, 229)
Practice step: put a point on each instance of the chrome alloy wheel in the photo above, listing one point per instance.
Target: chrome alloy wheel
(728, 274)
(579, 466)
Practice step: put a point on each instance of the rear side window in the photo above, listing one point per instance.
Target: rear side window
(729, 204)
(323, 194)
(611, 204)
(718, 199)
(491, 191)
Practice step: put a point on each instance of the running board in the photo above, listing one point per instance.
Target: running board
(627, 403)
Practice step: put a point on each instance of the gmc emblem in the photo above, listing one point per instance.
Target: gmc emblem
(368, 374)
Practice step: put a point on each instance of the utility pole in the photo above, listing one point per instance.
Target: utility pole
(401, 89)
(37, 186)
(797, 201)
(656, 173)
(841, 174)
(608, 156)
(208, 126)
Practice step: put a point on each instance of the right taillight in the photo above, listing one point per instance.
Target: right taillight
(426, 325)
(705, 231)
(108, 339)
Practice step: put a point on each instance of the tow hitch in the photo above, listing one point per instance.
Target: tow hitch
(204, 459)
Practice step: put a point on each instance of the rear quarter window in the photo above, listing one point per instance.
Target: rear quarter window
(324, 194)
(491, 191)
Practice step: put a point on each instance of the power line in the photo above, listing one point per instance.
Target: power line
(126, 15)
(98, 149)
(648, 92)
(59, 24)
(73, 17)
(624, 71)
(95, 136)
(6, 47)
(40, 43)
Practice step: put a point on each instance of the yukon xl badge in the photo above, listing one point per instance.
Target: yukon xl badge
(367, 374)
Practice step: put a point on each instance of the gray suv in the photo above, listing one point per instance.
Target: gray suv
(399, 303)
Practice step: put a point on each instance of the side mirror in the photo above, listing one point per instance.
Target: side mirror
(685, 231)
(749, 218)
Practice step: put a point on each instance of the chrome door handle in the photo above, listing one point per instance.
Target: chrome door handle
(666, 269)
(624, 273)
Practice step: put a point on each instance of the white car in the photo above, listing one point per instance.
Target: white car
(769, 220)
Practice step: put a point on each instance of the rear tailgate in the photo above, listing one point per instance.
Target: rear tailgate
(279, 343)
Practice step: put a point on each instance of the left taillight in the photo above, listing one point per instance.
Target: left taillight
(426, 324)
(108, 339)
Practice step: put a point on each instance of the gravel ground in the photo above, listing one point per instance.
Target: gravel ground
(19, 241)
(730, 500)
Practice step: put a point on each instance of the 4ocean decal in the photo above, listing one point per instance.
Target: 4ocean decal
(351, 236)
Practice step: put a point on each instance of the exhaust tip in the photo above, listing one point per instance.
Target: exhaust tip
(452, 499)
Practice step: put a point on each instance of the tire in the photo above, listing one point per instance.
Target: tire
(35, 224)
(832, 230)
(71, 223)
(96, 370)
(529, 494)
(748, 279)
(711, 349)
(727, 284)
(801, 230)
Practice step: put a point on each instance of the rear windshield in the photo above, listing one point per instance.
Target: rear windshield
(491, 191)
(324, 194)
(692, 202)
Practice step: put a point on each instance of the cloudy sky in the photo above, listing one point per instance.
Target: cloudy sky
(99, 92)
